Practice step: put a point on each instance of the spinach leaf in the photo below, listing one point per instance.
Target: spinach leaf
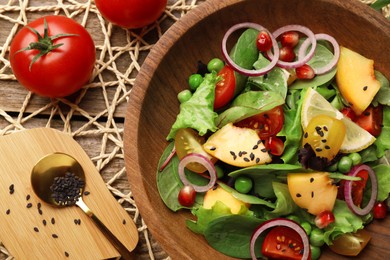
(264, 175)
(284, 203)
(383, 175)
(198, 112)
(275, 80)
(169, 183)
(322, 56)
(249, 104)
(205, 216)
(231, 235)
(244, 54)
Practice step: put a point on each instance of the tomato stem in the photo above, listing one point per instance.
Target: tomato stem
(44, 44)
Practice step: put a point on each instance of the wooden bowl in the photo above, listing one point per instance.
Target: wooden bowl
(153, 103)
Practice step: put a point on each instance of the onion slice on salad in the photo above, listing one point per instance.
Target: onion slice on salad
(336, 52)
(348, 190)
(197, 158)
(281, 222)
(301, 60)
(236, 67)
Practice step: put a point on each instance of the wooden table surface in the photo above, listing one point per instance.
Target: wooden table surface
(94, 116)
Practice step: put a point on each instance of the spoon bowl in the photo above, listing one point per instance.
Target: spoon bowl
(56, 165)
(48, 169)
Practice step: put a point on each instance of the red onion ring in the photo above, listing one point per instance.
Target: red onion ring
(336, 52)
(239, 69)
(197, 158)
(301, 60)
(281, 222)
(348, 190)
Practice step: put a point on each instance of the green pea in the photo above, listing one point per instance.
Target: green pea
(215, 65)
(194, 81)
(243, 184)
(220, 171)
(294, 218)
(317, 237)
(184, 95)
(356, 158)
(332, 167)
(315, 252)
(344, 164)
(307, 227)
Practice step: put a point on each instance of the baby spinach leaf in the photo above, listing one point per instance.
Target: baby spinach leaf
(198, 112)
(264, 175)
(382, 172)
(249, 104)
(284, 203)
(231, 235)
(244, 54)
(169, 183)
(322, 56)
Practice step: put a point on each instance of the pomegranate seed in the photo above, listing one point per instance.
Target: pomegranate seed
(289, 39)
(287, 54)
(305, 72)
(187, 196)
(380, 210)
(323, 219)
(263, 41)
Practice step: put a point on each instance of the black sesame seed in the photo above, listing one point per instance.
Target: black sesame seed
(86, 193)
(29, 205)
(257, 160)
(212, 148)
(318, 149)
(66, 254)
(325, 128)
(28, 197)
(311, 180)
(323, 140)
(264, 150)
(365, 88)
(40, 212)
(54, 235)
(312, 194)
(11, 187)
(298, 195)
(36, 229)
(44, 222)
(255, 147)
(124, 222)
(53, 221)
(246, 159)
(252, 156)
(39, 205)
(306, 135)
(327, 147)
(259, 142)
(8, 211)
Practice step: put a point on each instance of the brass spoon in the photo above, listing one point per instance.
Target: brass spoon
(57, 165)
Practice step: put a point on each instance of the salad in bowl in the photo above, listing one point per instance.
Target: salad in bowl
(281, 146)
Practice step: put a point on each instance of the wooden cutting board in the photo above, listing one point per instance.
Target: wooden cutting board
(55, 233)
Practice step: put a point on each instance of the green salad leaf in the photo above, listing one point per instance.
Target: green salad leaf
(198, 112)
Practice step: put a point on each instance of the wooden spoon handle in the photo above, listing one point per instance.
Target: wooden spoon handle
(125, 253)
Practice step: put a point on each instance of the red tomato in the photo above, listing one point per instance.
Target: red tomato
(62, 70)
(131, 14)
(282, 243)
(348, 112)
(357, 188)
(371, 120)
(275, 145)
(224, 90)
(266, 124)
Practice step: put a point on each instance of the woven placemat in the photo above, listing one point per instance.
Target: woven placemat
(95, 116)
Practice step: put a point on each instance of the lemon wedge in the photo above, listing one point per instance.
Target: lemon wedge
(356, 138)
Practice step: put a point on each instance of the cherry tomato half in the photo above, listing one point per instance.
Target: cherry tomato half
(131, 14)
(62, 70)
(274, 145)
(224, 90)
(351, 244)
(371, 120)
(266, 124)
(188, 141)
(282, 243)
(357, 188)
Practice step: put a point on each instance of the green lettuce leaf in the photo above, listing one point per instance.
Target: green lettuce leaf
(198, 112)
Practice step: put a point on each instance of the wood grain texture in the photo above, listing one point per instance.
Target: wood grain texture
(153, 104)
(19, 152)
